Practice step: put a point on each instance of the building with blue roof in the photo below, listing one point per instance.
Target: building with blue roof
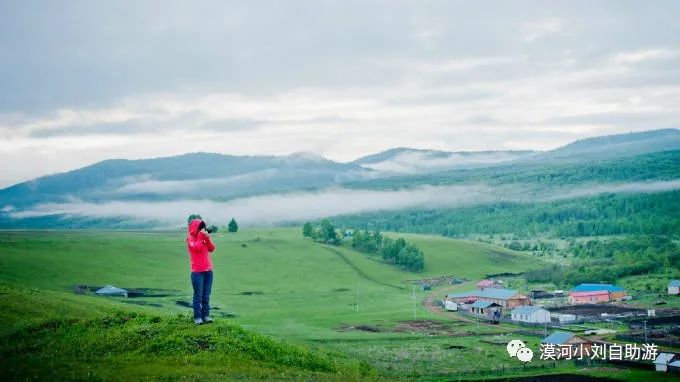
(487, 309)
(597, 287)
(596, 293)
(579, 345)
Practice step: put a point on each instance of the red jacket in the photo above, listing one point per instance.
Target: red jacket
(199, 246)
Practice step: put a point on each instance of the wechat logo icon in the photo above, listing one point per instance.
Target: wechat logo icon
(517, 348)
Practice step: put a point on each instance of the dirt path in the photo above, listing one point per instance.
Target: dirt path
(361, 273)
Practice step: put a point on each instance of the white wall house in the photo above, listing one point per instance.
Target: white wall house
(530, 314)
(674, 287)
(564, 318)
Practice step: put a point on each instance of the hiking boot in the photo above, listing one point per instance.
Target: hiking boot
(198, 321)
(207, 320)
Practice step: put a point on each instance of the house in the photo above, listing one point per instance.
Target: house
(488, 283)
(530, 314)
(487, 309)
(674, 287)
(111, 291)
(451, 306)
(663, 361)
(506, 298)
(595, 297)
(596, 293)
(563, 318)
(578, 344)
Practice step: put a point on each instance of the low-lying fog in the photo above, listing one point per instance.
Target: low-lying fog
(298, 206)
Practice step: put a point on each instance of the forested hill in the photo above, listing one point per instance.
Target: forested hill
(636, 195)
(655, 166)
(259, 190)
(606, 214)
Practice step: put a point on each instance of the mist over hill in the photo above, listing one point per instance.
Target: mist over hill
(269, 190)
(404, 160)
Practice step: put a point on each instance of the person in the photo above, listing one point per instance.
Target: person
(200, 246)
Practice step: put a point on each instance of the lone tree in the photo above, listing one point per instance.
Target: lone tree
(233, 226)
(307, 230)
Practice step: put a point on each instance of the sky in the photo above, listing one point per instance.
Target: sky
(84, 81)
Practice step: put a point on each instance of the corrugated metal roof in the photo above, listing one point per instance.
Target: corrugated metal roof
(558, 338)
(586, 294)
(526, 309)
(496, 293)
(596, 287)
(674, 283)
(110, 289)
(664, 358)
(483, 304)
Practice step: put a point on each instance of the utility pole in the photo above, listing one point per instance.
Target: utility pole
(645, 331)
(357, 300)
(414, 302)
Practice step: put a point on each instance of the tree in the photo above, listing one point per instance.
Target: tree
(307, 230)
(328, 233)
(233, 226)
(212, 228)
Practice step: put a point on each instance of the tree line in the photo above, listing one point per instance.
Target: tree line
(607, 214)
(398, 251)
(608, 261)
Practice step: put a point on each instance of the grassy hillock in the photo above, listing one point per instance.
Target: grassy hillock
(53, 336)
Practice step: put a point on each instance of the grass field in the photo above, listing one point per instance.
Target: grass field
(270, 281)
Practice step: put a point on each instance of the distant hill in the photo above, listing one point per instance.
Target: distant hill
(94, 196)
(196, 176)
(618, 145)
(404, 160)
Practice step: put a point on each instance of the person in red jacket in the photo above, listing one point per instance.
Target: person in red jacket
(200, 246)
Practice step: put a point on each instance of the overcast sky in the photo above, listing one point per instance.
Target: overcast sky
(86, 81)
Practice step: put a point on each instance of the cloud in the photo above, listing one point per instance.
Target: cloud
(535, 30)
(616, 188)
(299, 206)
(634, 57)
(271, 209)
(446, 75)
(174, 187)
(413, 162)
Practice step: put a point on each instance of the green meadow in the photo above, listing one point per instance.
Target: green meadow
(286, 308)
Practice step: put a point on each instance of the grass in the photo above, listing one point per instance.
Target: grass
(74, 338)
(297, 294)
(303, 290)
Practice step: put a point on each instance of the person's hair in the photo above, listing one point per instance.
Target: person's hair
(201, 226)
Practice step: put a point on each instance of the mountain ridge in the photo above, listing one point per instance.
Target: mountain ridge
(218, 177)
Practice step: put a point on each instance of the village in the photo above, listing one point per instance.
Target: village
(582, 319)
